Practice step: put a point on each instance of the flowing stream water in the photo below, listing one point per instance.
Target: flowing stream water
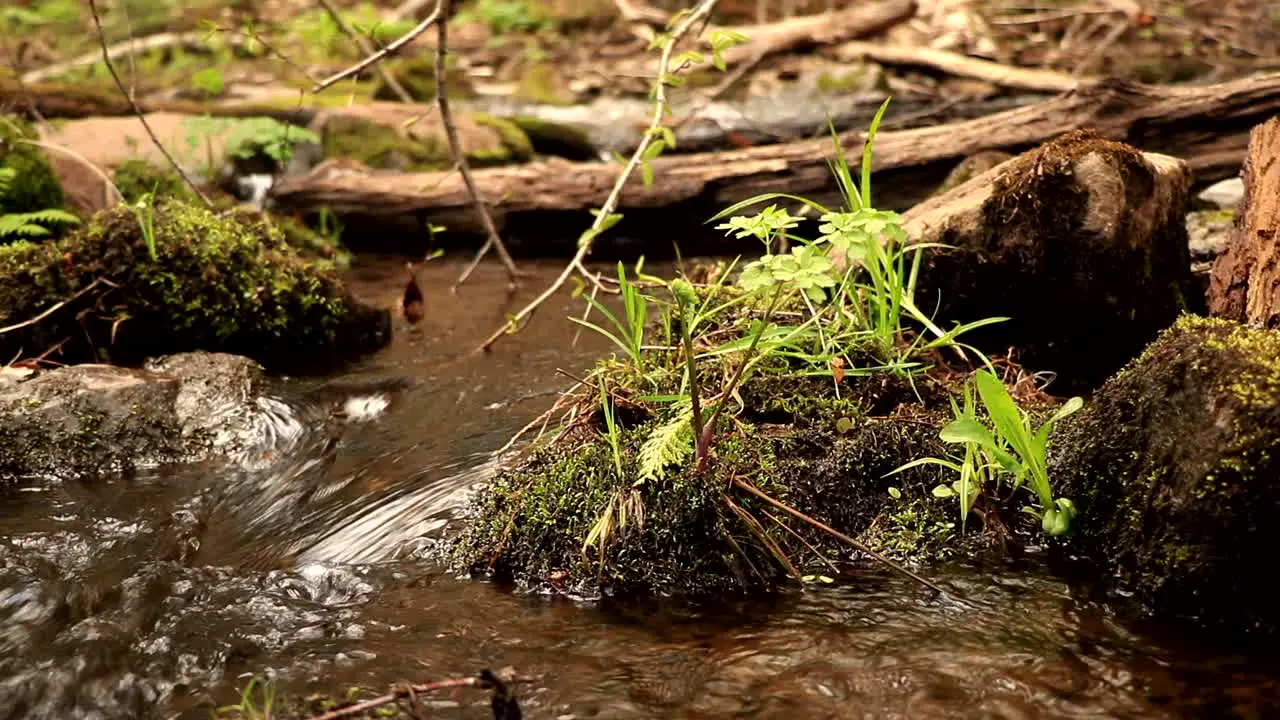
(160, 595)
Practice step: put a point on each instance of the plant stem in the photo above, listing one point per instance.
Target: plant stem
(703, 448)
(686, 338)
(699, 14)
(142, 118)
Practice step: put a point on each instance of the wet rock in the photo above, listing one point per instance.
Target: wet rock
(88, 420)
(1207, 234)
(1226, 194)
(1173, 467)
(214, 284)
(1081, 242)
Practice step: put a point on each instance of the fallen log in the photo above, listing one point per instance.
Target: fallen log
(1033, 79)
(796, 33)
(1244, 284)
(1206, 126)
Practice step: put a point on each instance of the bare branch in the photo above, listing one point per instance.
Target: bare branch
(363, 46)
(106, 57)
(390, 49)
(455, 147)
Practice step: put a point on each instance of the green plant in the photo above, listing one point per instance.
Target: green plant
(629, 335)
(1012, 447)
(29, 225)
(208, 82)
(246, 138)
(248, 707)
(144, 210)
(508, 16)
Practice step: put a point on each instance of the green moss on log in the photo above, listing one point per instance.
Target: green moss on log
(1174, 465)
(382, 146)
(216, 284)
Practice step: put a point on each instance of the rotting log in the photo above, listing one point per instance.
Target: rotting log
(1207, 126)
(1245, 281)
(1081, 243)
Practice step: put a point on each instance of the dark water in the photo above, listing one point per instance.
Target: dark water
(158, 596)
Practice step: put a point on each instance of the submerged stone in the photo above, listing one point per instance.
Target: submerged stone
(215, 284)
(1174, 467)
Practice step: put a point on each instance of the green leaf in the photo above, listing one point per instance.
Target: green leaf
(967, 430)
(895, 493)
(942, 491)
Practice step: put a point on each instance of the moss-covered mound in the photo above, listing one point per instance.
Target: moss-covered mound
(214, 284)
(33, 186)
(136, 177)
(384, 142)
(1174, 468)
(417, 75)
(691, 532)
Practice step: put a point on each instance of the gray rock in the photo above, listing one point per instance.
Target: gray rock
(1225, 194)
(88, 420)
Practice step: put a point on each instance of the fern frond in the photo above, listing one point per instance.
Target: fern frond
(33, 224)
(667, 445)
(7, 176)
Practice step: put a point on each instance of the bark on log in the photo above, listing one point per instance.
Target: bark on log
(1081, 243)
(1245, 282)
(1207, 126)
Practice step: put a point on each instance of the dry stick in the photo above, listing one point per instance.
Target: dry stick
(390, 49)
(111, 68)
(110, 184)
(860, 547)
(460, 158)
(364, 47)
(399, 693)
(699, 14)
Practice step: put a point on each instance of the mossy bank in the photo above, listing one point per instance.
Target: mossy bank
(213, 284)
(827, 456)
(1174, 470)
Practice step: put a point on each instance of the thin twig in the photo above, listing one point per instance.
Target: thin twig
(363, 46)
(390, 49)
(399, 693)
(133, 103)
(700, 13)
(56, 306)
(110, 184)
(860, 547)
(494, 241)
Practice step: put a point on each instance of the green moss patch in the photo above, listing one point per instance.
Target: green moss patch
(34, 186)
(215, 284)
(1174, 470)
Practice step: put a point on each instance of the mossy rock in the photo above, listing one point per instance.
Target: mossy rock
(34, 186)
(528, 525)
(558, 139)
(971, 167)
(382, 143)
(135, 178)
(540, 84)
(215, 284)
(1081, 243)
(417, 75)
(1173, 468)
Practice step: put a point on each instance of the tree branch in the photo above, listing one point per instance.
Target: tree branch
(390, 49)
(699, 15)
(106, 57)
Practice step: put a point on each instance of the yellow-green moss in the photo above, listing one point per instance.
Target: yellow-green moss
(538, 84)
(381, 146)
(216, 284)
(417, 75)
(135, 178)
(516, 146)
